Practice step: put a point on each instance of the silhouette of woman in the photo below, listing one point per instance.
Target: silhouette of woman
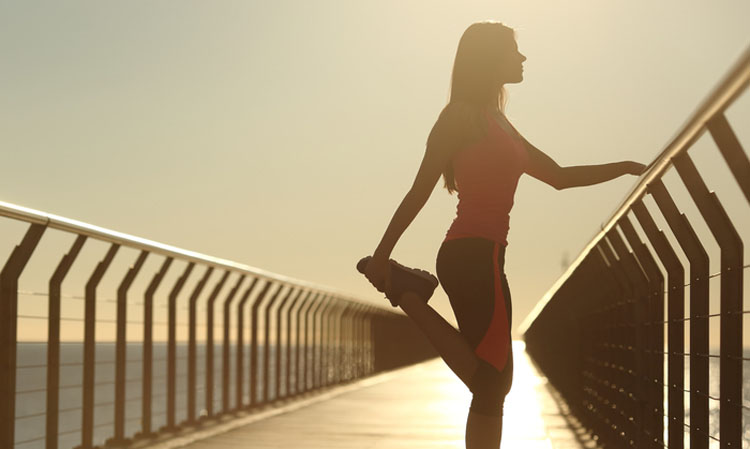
(481, 156)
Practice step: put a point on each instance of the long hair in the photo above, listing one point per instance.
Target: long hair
(475, 84)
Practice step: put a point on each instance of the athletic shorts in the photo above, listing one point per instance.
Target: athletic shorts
(470, 270)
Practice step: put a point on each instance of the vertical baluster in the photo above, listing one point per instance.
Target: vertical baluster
(89, 342)
(343, 358)
(210, 343)
(172, 346)
(730, 244)
(225, 407)
(638, 282)
(675, 326)
(732, 151)
(310, 347)
(240, 368)
(8, 323)
(654, 387)
(148, 314)
(298, 348)
(279, 315)
(267, 344)
(254, 344)
(289, 356)
(53, 341)
(120, 355)
(698, 258)
(332, 342)
(321, 339)
(192, 324)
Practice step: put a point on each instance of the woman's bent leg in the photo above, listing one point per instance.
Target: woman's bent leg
(447, 340)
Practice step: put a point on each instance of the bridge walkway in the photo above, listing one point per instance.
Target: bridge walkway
(423, 406)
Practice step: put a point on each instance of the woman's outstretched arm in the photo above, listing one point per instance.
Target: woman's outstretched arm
(543, 168)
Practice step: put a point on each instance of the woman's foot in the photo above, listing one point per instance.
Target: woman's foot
(405, 279)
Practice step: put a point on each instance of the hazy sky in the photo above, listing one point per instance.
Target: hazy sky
(284, 134)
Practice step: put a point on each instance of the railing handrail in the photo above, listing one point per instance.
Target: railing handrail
(78, 227)
(731, 86)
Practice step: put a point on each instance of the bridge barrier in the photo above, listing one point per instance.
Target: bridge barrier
(156, 339)
(661, 286)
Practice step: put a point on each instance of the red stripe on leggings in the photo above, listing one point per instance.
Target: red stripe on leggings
(495, 344)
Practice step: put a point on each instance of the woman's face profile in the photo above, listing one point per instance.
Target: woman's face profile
(511, 67)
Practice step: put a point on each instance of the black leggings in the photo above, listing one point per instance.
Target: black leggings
(471, 272)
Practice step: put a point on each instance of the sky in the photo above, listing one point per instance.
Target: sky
(284, 134)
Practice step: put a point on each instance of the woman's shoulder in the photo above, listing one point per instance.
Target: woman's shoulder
(458, 123)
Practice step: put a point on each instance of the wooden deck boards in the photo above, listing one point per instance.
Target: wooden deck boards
(419, 407)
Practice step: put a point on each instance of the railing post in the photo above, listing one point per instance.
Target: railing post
(277, 352)
(343, 346)
(332, 341)
(120, 356)
(298, 370)
(675, 325)
(53, 341)
(361, 339)
(629, 420)
(288, 372)
(254, 343)
(322, 347)
(306, 343)
(291, 379)
(89, 342)
(240, 362)
(192, 324)
(210, 343)
(310, 358)
(615, 344)
(730, 244)
(732, 151)
(225, 346)
(698, 258)
(654, 322)
(147, 373)
(639, 285)
(8, 323)
(267, 344)
(356, 340)
(371, 312)
(172, 346)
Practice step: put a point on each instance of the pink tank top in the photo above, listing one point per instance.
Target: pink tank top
(487, 174)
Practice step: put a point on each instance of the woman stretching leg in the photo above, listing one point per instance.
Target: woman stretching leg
(481, 156)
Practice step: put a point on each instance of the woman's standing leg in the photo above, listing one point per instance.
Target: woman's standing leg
(471, 273)
(483, 431)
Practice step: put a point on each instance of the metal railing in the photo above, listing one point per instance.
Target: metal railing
(321, 337)
(599, 333)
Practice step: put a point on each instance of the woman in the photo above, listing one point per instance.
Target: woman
(482, 156)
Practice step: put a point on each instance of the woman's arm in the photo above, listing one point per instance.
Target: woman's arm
(543, 168)
(443, 140)
(435, 158)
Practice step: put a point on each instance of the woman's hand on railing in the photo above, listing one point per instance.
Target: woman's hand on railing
(635, 168)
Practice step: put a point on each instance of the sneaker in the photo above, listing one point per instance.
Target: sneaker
(405, 279)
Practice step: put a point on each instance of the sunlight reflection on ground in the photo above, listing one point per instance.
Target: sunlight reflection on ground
(523, 425)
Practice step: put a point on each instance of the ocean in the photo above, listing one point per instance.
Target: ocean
(31, 383)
